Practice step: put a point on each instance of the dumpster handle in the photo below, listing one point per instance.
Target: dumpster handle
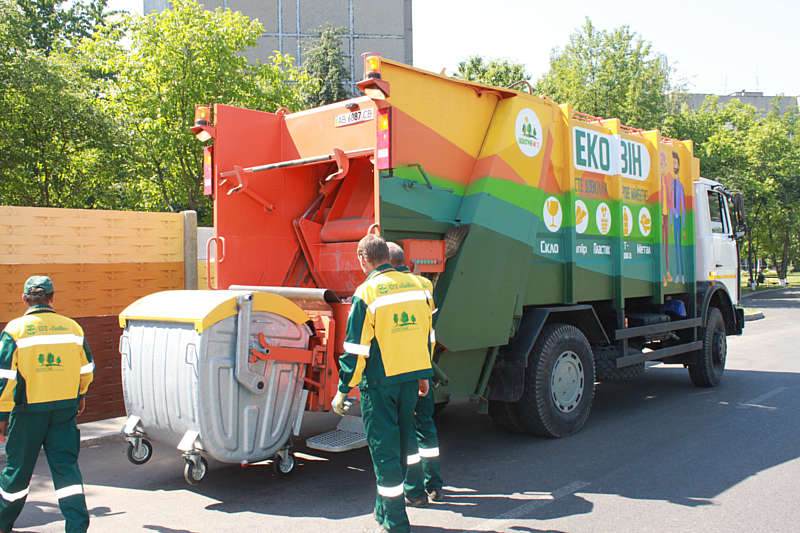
(123, 343)
(250, 380)
(191, 358)
(220, 249)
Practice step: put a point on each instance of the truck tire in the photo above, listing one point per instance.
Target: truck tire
(559, 383)
(709, 363)
(504, 416)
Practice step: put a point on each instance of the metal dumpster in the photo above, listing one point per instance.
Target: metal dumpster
(216, 373)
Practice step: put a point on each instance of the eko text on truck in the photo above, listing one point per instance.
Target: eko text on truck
(565, 249)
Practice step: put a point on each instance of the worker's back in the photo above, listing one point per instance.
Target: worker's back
(391, 312)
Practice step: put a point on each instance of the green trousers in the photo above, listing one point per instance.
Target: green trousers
(423, 468)
(57, 431)
(388, 412)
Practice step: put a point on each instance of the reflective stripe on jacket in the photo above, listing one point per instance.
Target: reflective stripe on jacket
(45, 362)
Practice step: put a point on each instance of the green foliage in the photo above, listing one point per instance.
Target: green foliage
(52, 137)
(175, 59)
(758, 155)
(495, 72)
(610, 74)
(50, 23)
(324, 61)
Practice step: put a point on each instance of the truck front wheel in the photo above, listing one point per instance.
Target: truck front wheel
(709, 361)
(559, 383)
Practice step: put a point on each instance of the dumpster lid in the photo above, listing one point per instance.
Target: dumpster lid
(205, 308)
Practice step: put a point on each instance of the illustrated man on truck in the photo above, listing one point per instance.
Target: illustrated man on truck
(665, 183)
(678, 212)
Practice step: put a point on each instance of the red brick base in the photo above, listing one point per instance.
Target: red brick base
(104, 399)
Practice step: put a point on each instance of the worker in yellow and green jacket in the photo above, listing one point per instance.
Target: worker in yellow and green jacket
(389, 334)
(45, 371)
(424, 478)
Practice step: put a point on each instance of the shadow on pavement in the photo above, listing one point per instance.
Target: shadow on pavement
(655, 438)
(162, 529)
(780, 299)
(38, 513)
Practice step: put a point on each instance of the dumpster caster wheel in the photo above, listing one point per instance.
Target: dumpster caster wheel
(195, 470)
(283, 466)
(141, 452)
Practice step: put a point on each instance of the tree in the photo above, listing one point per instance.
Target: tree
(757, 154)
(50, 23)
(325, 62)
(150, 86)
(53, 140)
(610, 74)
(495, 72)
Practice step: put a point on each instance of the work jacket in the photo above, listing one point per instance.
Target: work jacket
(426, 283)
(389, 331)
(45, 362)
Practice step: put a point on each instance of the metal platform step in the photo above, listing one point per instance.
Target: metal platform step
(348, 435)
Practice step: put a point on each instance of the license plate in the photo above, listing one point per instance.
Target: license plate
(353, 117)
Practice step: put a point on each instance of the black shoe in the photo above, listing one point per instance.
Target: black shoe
(434, 495)
(422, 501)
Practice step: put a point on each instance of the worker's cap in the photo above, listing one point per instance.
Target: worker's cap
(36, 285)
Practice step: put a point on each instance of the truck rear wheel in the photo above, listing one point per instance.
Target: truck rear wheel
(709, 363)
(559, 383)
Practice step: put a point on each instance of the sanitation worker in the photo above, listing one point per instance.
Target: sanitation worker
(423, 479)
(45, 371)
(388, 345)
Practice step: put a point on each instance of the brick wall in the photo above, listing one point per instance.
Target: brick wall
(104, 399)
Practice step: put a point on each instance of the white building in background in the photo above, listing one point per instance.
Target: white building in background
(755, 99)
(382, 26)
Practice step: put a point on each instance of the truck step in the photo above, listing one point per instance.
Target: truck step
(348, 435)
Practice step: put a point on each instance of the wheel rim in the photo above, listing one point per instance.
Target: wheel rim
(140, 451)
(566, 384)
(287, 465)
(199, 470)
(719, 350)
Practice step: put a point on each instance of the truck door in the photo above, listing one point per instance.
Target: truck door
(723, 244)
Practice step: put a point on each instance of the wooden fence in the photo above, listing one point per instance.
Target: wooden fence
(100, 261)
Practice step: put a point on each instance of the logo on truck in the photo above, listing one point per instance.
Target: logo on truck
(528, 132)
(552, 213)
(581, 216)
(645, 222)
(603, 218)
(627, 221)
(609, 154)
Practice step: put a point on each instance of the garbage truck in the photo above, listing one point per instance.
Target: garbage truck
(565, 250)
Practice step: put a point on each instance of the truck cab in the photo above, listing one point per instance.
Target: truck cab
(718, 225)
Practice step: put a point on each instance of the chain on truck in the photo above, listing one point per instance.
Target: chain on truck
(565, 250)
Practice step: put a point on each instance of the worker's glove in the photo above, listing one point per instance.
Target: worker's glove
(339, 404)
(424, 387)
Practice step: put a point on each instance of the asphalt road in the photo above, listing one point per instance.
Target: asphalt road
(656, 455)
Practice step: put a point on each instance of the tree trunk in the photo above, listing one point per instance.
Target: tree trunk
(783, 267)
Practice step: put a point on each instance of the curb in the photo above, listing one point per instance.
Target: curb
(754, 316)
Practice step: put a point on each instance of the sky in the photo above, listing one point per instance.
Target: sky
(714, 46)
